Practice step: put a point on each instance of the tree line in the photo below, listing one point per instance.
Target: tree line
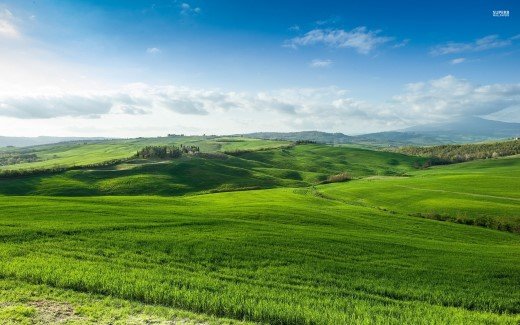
(166, 152)
(17, 158)
(444, 154)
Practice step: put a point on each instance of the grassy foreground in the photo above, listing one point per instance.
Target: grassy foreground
(25, 303)
(301, 258)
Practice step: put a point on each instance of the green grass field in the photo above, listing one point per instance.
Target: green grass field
(93, 152)
(231, 255)
(480, 190)
(151, 241)
(302, 165)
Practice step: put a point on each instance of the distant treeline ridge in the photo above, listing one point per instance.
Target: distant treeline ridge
(464, 152)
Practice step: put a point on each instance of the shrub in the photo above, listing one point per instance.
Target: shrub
(341, 177)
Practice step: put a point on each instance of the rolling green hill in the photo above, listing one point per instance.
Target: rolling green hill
(299, 259)
(81, 153)
(481, 192)
(300, 165)
(150, 241)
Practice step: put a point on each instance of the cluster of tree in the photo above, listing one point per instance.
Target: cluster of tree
(190, 150)
(425, 163)
(166, 152)
(464, 152)
(480, 220)
(304, 142)
(17, 158)
(341, 177)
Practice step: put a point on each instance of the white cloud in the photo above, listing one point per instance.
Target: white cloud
(35, 107)
(294, 28)
(449, 97)
(213, 110)
(318, 63)
(457, 60)
(361, 39)
(153, 50)
(481, 44)
(187, 9)
(8, 28)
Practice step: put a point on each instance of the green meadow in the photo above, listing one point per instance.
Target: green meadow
(301, 165)
(485, 192)
(254, 232)
(81, 153)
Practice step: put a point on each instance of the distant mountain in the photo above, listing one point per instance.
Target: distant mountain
(473, 127)
(394, 138)
(321, 137)
(459, 131)
(34, 141)
(397, 138)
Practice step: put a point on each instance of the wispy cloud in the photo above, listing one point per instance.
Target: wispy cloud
(458, 60)
(8, 28)
(153, 50)
(187, 9)
(403, 43)
(328, 108)
(481, 44)
(319, 63)
(361, 39)
(294, 28)
(329, 21)
(41, 106)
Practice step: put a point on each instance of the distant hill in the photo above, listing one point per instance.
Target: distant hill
(473, 127)
(392, 138)
(34, 141)
(459, 131)
(455, 132)
(321, 137)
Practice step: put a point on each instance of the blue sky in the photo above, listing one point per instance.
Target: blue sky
(123, 68)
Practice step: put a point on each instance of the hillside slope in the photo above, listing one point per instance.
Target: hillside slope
(274, 256)
(482, 192)
(82, 153)
(301, 165)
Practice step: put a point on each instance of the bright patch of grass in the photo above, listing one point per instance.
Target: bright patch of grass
(276, 256)
(94, 152)
(483, 192)
(24, 303)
